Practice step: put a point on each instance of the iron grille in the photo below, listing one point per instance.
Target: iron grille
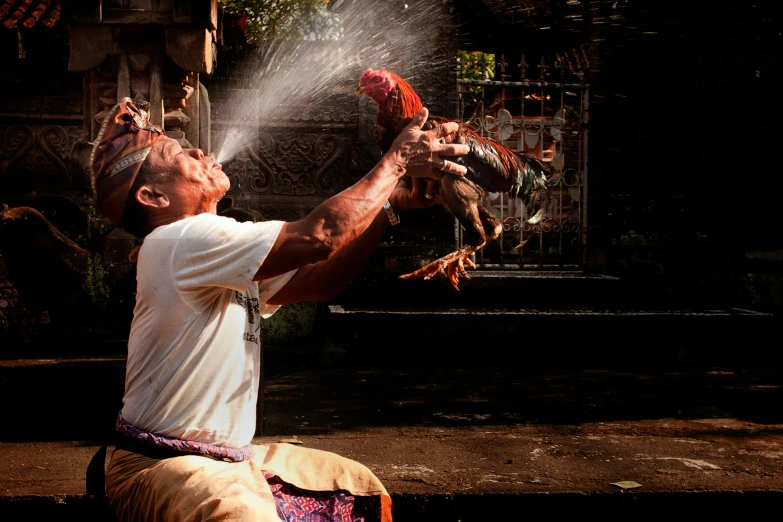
(546, 120)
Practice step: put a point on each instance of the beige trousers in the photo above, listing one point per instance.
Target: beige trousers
(194, 488)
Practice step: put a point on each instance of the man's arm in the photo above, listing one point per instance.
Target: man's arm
(324, 280)
(340, 220)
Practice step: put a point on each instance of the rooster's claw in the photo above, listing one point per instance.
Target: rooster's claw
(451, 267)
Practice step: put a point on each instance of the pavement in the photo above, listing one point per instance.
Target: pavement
(455, 442)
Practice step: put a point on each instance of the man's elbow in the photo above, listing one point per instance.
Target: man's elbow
(326, 237)
(328, 246)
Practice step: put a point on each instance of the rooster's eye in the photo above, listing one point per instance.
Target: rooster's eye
(376, 79)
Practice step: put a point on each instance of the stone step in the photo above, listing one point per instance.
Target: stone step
(66, 398)
(484, 288)
(537, 335)
(542, 288)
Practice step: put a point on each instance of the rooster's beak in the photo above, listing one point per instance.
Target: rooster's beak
(359, 91)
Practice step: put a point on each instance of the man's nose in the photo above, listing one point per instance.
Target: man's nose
(197, 153)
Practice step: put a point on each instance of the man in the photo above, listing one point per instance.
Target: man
(203, 283)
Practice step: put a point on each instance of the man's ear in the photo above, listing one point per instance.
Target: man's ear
(152, 196)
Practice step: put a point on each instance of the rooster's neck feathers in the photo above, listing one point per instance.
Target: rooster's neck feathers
(402, 103)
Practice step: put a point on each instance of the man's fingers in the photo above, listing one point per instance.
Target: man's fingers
(451, 168)
(418, 121)
(447, 128)
(453, 149)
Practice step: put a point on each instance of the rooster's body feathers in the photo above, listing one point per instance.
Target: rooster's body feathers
(491, 167)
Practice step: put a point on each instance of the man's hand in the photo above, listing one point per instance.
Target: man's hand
(421, 153)
(413, 193)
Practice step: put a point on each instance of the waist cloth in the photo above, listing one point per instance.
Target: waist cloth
(147, 481)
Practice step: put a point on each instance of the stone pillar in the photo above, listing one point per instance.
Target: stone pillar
(152, 55)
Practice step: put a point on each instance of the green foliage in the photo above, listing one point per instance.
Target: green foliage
(475, 65)
(283, 19)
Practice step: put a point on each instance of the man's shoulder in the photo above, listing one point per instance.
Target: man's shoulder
(190, 223)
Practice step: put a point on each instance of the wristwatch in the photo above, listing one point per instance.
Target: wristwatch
(393, 217)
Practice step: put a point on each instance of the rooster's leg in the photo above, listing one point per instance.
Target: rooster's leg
(450, 266)
(464, 200)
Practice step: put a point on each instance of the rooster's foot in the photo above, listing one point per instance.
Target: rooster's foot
(451, 266)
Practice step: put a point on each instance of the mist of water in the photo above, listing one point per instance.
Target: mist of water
(289, 77)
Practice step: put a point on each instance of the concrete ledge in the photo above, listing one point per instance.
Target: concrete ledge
(572, 312)
(458, 443)
(69, 398)
(564, 335)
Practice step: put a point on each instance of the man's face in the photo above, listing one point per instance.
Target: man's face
(195, 181)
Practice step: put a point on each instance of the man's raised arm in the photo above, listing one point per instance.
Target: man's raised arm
(340, 220)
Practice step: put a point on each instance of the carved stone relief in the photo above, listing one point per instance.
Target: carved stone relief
(292, 164)
(59, 107)
(303, 163)
(36, 157)
(282, 211)
(246, 175)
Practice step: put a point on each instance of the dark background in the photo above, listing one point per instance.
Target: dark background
(684, 181)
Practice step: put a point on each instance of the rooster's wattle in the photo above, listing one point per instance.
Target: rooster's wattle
(491, 168)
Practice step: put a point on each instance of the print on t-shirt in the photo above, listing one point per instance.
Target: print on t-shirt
(251, 307)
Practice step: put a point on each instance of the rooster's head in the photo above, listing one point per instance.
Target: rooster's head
(376, 84)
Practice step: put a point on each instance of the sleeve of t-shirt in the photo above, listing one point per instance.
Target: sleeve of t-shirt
(269, 287)
(217, 251)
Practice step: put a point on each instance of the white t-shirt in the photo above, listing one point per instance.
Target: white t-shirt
(194, 353)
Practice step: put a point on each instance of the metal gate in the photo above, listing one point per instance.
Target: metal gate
(546, 120)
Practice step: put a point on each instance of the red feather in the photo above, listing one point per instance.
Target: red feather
(405, 104)
(409, 102)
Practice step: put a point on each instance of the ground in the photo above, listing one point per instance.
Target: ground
(450, 439)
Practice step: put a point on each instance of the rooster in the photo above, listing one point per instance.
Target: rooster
(491, 168)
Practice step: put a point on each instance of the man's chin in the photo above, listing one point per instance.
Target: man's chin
(224, 181)
(221, 185)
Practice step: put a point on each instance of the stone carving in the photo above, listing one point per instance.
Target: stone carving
(36, 157)
(67, 107)
(14, 142)
(334, 109)
(281, 212)
(328, 178)
(300, 163)
(245, 171)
